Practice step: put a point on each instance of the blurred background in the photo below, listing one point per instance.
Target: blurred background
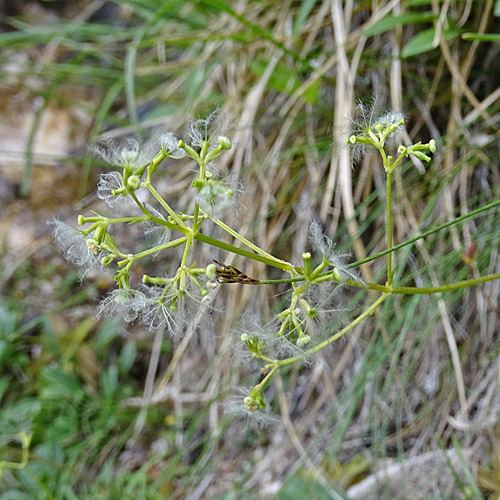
(405, 407)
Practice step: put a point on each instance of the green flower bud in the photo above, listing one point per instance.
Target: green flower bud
(250, 403)
(134, 182)
(93, 245)
(107, 260)
(224, 142)
(421, 156)
(336, 274)
(432, 145)
(210, 272)
(244, 337)
(304, 340)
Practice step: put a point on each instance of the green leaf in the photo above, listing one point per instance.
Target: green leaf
(24, 411)
(304, 10)
(301, 486)
(127, 356)
(485, 37)
(105, 335)
(390, 22)
(16, 495)
(109, 381)
(497, 8)
(58, 384)
(286, 80)
(423, 42)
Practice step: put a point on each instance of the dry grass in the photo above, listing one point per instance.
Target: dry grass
(421, 372)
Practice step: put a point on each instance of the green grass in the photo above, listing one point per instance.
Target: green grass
(386, 395)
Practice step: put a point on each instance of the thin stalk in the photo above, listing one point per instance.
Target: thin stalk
(339, 334)
(147, 184)
(182, 268)
(139, 203)
(430, 289)
(274, 262)
(170, 244)
(196, 222)
(426, 233)
(249, 244)
(267, 378)
(389, 227)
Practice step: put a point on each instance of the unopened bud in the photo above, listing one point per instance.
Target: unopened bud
(304, 340)
(224, 142)
(134, 182)
(211, 272)
(93, 245)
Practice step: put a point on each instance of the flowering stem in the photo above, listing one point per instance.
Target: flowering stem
(170, 244)
(139, 203)
(339, 334)
(254, 247)
(196, 221)
(163, 203)
(427, 290)
(266, 379)
(272, 261)
(25, 440)
(426, 233)
(389, 228)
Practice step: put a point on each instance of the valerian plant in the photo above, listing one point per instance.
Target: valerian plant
(161, 301)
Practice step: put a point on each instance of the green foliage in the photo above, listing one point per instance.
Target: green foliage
(75, 382)
(425, 41)
(301, 486)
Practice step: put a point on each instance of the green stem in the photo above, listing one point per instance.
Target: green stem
(249, 244)
(25, 440)
(339, 334)
(389, 227)
(274, 262)
(139, 203)
(266, 379)
(277, 282)
(426, 233)
(170, 244)
(196, 222)
(427, 290)
(147, 184)
(183, 266)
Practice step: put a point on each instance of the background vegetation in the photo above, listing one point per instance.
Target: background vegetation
(407, 406)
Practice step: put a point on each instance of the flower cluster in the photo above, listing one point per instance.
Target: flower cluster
(307, 322)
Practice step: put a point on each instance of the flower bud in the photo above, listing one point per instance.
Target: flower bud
(244, 337)
(134, 182)
(421, 156)
(93, 245)
(432, 145)
(249, 403)
(224, 142)
(336, 274)
(304, 340)
(210, 272)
